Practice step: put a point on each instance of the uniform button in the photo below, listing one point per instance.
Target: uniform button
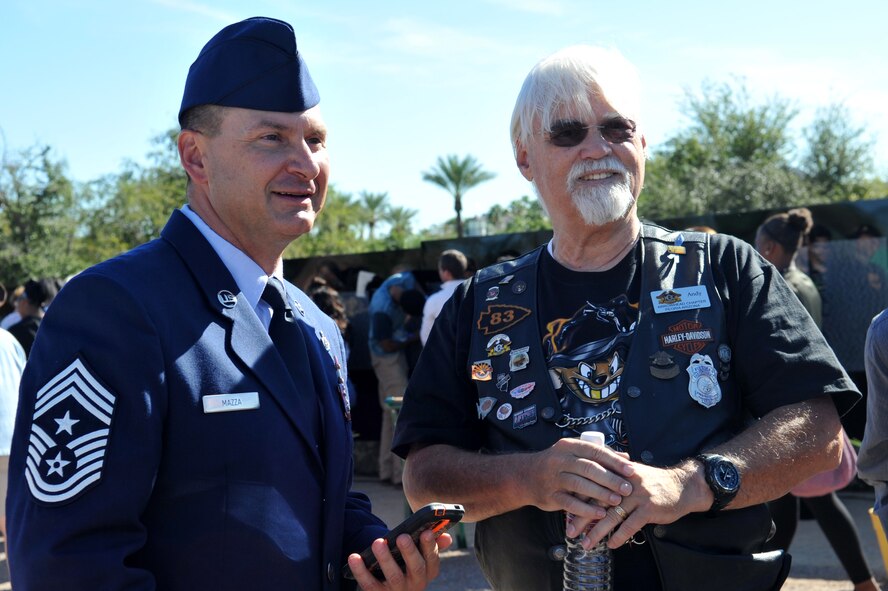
(558, 552)
(548, 413)
(659, 531)
(633, 391)
(331, 574)
(647, 457)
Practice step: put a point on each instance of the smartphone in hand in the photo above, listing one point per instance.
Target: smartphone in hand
(438, 517)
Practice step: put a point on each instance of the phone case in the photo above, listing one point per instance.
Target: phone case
(438, 517)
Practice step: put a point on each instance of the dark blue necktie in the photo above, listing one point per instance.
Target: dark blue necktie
(289, 339)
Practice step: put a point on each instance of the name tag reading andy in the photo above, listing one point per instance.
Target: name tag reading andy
(680, 298)
(230, 402)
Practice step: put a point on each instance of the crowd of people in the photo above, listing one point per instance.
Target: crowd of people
(199, 436)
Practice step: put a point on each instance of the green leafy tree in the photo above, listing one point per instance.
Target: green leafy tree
(726, 126)
(130, 208)
(457, 176)
(734, 156)
(337, 229)
(838, 159)
(39, 218)
(521, 215)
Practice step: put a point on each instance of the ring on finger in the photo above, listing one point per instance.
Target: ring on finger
(620, 512)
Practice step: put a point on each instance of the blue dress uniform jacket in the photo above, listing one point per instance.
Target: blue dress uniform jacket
(120, 479)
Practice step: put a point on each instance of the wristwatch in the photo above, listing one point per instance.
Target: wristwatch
(722, 477)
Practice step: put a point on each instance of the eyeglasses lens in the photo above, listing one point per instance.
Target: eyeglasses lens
(570, 134)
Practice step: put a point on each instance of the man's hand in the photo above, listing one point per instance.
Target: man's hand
(571, 473)
(659, 495)
(422, 564)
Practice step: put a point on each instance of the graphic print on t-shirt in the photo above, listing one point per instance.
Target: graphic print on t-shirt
(586, 354)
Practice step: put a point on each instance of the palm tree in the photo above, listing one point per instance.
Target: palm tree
(457, 176)
(400, 219)
(375, 206)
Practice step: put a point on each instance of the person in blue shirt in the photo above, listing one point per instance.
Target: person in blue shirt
(388, 344)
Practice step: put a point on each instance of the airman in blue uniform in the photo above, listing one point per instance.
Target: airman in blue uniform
(165, 439)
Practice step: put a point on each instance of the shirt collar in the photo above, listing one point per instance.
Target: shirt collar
(248, 275)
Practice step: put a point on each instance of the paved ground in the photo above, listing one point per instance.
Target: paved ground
(814, 567)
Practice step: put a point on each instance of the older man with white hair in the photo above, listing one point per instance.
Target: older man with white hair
(712, 387)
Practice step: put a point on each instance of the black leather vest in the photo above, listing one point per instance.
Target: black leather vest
(665, 424)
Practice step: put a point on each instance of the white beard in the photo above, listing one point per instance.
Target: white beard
(601, 204)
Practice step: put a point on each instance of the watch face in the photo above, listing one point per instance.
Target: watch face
(726, 476)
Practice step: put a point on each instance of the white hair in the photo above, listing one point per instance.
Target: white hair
(560, 85)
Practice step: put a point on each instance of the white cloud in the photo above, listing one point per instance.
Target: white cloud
(200, 9)
(548, 7)
(427, 40)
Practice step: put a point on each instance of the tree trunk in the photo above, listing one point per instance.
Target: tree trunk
(457, 205)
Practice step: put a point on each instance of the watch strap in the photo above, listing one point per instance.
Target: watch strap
(720, 496)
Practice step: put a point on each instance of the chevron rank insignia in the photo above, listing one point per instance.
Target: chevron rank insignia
(69, 433)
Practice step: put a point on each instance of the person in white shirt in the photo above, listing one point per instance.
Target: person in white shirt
(12, 364)
(13, 317)
(452, 266)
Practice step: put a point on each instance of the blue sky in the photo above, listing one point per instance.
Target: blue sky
(402, 83)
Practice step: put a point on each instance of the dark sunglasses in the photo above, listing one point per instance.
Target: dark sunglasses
(567, 134)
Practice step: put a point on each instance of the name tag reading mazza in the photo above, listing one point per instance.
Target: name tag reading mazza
(680, 298)
(230, 402)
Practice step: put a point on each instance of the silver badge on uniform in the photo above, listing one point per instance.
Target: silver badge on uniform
(503, 412)
(226, 298)
(703, 386)
(492, 293)
(69, 434)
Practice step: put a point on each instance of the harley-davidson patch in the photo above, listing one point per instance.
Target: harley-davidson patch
(686, 336)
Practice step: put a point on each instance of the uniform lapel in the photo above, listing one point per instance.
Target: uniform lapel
(248, 339)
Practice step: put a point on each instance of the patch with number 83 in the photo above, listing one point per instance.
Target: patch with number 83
(498, 317)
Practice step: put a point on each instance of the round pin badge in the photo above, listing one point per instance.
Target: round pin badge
(503, 412)
(724, 353)
(226, 298)
(519, 287)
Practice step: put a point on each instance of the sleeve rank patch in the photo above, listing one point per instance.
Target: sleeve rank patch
(69, 434)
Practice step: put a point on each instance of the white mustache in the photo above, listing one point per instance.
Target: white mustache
(590, 166)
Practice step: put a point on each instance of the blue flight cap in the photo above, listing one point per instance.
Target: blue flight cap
(252, 64)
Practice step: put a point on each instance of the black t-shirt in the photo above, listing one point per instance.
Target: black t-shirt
(587, 321)
(779, 357)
